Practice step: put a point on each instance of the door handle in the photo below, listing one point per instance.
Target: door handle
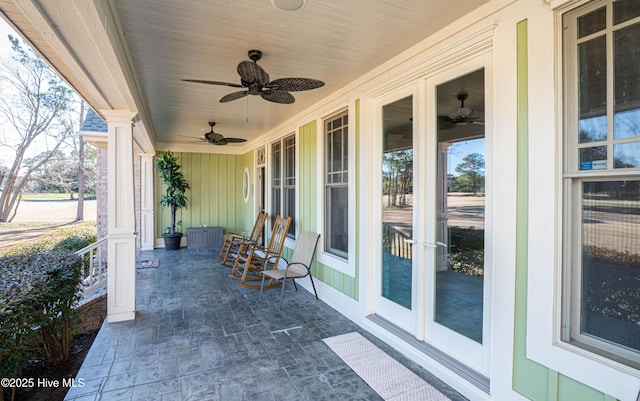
(410, 241)
(434, 245)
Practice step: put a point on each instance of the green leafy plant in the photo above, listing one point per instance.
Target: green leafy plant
(176, 185)
(37, 295)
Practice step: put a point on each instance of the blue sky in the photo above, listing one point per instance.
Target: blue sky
(459, 150)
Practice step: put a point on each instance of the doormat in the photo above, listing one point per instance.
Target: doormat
(145, 264)
(388, 377)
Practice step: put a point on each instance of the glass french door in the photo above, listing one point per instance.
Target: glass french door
(396, 275)
(431, 246)
(455, 254)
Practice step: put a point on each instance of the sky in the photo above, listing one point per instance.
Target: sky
(5, 30)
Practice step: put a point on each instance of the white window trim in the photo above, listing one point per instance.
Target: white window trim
(346, 266)
(544, 286)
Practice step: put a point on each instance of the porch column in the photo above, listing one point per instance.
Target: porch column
(147, 218)
(121, 236)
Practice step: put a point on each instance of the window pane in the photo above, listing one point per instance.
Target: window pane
(624, 10)
(592, 129)
(611, 262)
(329, 153)
(593, 158)
(337, 238)
(593, 22)
(627, 155)
(337, 151)
(275, 159)
(592, 87)
(397, 201)
(627, 82)
(290, 209)
(275, 204)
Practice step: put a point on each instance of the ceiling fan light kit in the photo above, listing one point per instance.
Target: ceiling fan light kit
(256, 81)
(289, 5)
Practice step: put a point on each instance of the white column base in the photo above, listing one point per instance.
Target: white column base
(121, 278)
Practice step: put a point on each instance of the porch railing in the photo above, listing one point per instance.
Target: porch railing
(94, 266)
(394, 242)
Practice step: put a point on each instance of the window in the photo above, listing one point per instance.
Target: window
(283, 180)
(601, 180)
(336, 184)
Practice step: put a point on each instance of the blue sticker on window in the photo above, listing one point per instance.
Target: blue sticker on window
(586, 165)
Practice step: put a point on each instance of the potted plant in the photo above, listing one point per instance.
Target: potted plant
(174, 197)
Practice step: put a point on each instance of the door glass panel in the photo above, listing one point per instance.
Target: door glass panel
(397, 200)
(459, 265)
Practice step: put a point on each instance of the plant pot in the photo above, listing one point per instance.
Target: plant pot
(172, 241)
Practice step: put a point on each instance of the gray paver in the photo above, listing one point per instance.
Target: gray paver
(199, 336)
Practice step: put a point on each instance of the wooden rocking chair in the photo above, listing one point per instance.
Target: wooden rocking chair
(232, 241)
(253, 258)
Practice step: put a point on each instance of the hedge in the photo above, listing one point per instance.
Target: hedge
(37, 294)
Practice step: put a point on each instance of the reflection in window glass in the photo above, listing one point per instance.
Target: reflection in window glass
(611, 262)
(592, 87)
(397, 201)
(591, 23)
(624, 10)
(627, 155)
(593, 158)
(460, 211)
(627, 82)
(592, 129)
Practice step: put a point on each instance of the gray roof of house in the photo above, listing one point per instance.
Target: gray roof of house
(93, 122)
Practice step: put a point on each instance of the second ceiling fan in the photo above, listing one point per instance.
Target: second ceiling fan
(256, 81)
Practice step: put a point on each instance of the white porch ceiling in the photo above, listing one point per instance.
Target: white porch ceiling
(157, 43)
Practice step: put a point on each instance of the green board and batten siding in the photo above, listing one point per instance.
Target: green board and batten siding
(215, 198)
(531, 379)
(309, 207)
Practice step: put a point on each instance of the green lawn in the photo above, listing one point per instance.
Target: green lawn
(47, 196)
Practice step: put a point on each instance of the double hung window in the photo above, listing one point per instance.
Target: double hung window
(283, 180)
(601, 180)
(336, 184)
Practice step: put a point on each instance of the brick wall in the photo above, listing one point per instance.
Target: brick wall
(89, 316)
(101, 190)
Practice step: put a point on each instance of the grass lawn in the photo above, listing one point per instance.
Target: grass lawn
(47, 196)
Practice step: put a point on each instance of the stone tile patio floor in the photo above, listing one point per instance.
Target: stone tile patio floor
(199, 336)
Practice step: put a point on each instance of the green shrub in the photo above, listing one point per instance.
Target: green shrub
(37, 293)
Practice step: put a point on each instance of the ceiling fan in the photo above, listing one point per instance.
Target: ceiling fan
(256, 81)
(461, 115)
(215, 138)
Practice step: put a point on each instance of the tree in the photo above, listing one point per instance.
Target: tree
(471, 173)
(397, 175)
(81, 170)
(38, 106)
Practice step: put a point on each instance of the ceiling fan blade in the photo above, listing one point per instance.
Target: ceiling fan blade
(235, 140)
(251, 72)
(278, 96)
(194, 139)
(294, 84)
(233, 96)
(220, 142)
(202, 81)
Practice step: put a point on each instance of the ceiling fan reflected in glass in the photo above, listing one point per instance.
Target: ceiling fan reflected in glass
(256, 81)
(215, 138)
(461, 115)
